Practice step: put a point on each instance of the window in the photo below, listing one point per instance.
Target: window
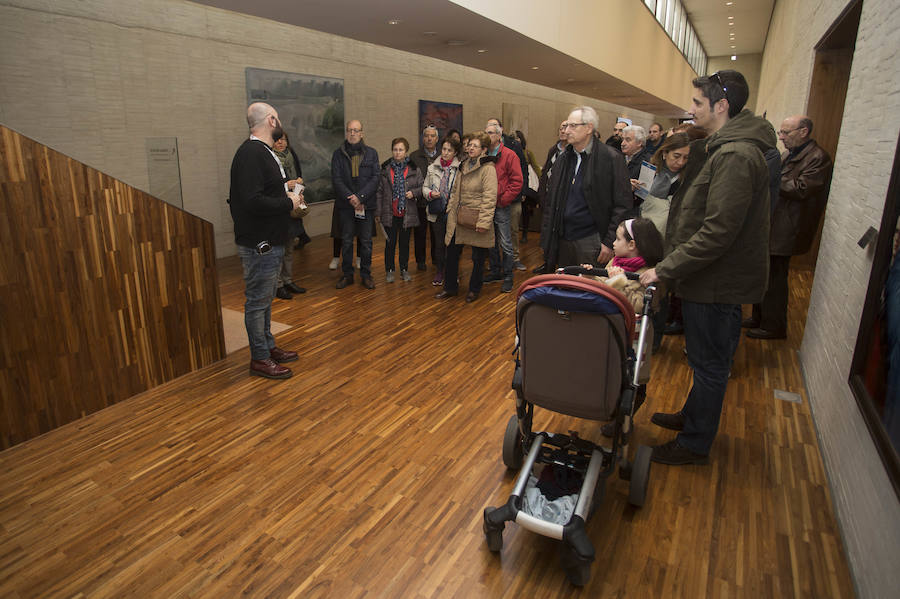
(673, 18)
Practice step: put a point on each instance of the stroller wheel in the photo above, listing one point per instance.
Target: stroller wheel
(512, 444)
(640, 475)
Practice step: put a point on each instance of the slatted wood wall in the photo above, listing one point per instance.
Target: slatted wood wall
(105, 291)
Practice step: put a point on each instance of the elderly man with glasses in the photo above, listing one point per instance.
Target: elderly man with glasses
(354, 175)
(796, 212)
(588, 196)
(509, 186)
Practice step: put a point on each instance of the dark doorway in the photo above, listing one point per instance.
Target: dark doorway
(827, 92)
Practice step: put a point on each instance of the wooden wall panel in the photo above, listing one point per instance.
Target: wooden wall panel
(105, 291)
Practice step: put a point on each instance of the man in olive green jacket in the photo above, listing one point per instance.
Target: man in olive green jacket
(720, 257)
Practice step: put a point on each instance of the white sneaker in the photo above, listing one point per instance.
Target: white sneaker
(404, 274)
(357, 262)
(389, 277)
(334, 263)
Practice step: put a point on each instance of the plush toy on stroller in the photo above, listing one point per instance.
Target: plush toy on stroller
(574, 356)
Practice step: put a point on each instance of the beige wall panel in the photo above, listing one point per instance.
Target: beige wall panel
(867, 506)
(93, 79)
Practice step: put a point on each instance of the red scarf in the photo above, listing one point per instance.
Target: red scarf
(447, 163)
(629, 264)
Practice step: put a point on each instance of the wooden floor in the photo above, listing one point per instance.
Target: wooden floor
(365, 475)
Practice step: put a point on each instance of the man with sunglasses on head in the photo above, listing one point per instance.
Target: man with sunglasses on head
(261, 207)
(720, 260)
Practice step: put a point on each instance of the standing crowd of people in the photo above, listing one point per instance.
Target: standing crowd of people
(715, 228)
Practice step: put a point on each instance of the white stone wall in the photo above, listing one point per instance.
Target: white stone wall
(93, 78)
(867, 507)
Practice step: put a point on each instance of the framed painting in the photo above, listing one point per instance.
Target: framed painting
(443, 115)
(311, 109)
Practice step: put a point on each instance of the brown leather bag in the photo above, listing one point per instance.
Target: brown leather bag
(467, 216)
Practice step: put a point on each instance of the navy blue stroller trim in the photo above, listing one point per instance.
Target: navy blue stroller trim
(571, 300)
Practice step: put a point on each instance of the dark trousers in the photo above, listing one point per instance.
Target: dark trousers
(361, 228)
(772, 312)
(438, 249)
(395, 232)
(711, 335)
(419, 234)
(581, 251)
(451, 268)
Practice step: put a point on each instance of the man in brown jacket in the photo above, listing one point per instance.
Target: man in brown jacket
(805, 176)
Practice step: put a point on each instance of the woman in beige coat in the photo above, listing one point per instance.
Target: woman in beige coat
(475, 192)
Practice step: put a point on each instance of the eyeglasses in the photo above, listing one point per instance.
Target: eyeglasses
(786, 133)
(354, 130)
(572, 125)
(716, 79)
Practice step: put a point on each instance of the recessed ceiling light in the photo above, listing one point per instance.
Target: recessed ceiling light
(482, 51)
(394, 22)
(570, 79)
(535, 68)
(729, 3)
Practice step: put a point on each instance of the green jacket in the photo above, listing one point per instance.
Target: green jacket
(720, 231)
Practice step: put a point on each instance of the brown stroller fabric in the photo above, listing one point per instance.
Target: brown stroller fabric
(574, 362)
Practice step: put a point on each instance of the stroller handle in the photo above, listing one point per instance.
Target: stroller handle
(595, 272)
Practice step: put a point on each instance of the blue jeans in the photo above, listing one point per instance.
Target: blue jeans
(502, 243)
(395, 231)
(711, 335)
(260, 278)
(451, 268)
(361, 228)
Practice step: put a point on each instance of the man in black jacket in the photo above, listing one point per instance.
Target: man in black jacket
(261, 207)
(423, 157)
(588, 195)
(354, 175)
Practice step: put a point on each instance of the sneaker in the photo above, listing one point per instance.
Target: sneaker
(492, 278)
(507, 285)
(334, 263)
(519, 266)
(389, 277)
(438, 279)
(673, 422)
(404, 274)
(675, 455)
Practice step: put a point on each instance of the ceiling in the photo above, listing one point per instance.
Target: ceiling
(710, 21)
(492, 47)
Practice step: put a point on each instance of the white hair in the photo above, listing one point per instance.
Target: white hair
(588, 115)
(640, 135)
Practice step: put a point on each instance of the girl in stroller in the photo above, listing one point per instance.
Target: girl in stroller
(638, 246)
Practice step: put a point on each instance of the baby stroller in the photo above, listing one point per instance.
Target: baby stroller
(574, 356)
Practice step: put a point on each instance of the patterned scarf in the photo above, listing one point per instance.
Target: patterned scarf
(398, 183)
(629, 264)
(444, 187)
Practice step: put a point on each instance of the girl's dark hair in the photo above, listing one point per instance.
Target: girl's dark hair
(399, 140)
(455, 144)
(521, 137)
(647, 239)
(451, 132)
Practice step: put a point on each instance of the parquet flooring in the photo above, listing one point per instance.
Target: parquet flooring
(365, 475)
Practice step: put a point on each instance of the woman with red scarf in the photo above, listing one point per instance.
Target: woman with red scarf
(398, 192)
